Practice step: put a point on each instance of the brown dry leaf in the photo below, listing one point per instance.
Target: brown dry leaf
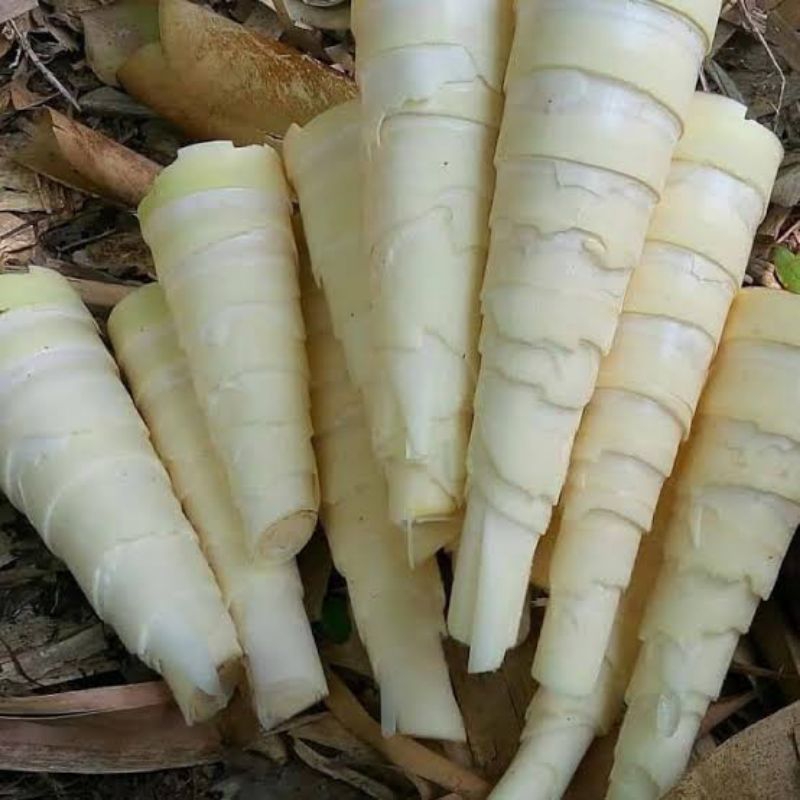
(761, 762)
(330, 767)
(137, 740)
(326, 730)
(406, 753)
(17, 237)
(780, 645)
(216, 80)
(83, 159)
(11, 9)
(87, 701)
(116, 32)
(20, 189)
(493, 709)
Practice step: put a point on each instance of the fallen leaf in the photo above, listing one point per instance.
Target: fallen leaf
(114, 33)
(19, 188)
(11, 9)
(406, 753)
(215, 79)
(84, 159)
(787, 268)
(330, 17)
(17, 237)
(786, 191)
(138, 740)
(761, 762)
(725, 708)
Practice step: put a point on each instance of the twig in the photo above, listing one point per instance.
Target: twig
(39, 64)
(756, 30)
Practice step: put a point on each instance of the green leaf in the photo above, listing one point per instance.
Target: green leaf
(787, 268)
(335, 620)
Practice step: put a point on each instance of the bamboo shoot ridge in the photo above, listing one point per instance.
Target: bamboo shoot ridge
(694, 260)
(265, 600)
(728, 530)
(218, 223)
(431, 87)
(582, 158)
(76, 460)
(398, 611)
(323, 161)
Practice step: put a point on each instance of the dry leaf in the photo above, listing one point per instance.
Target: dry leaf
(83, 159)
(493, 710)
(116, 32)
(761, 763)
(406, 753)
(17, 237)
(216, 80)
(786, 191)
(19, 188)
(11, 9)
(138, 740)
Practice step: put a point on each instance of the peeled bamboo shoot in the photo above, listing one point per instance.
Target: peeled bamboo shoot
(265, 600)
(323, 161)
(694, 260)
(591, 121)
(218, 222)
(77, 461)
(736, 507)
(398, 611)
(430, 76)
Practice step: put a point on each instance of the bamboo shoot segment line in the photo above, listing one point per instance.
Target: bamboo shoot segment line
(323, 161)
(76, 460)
(582, 158)
(431, 84)
(265, 600)
(730, 524)
(694, 260)
(398, 611)
(218, 223)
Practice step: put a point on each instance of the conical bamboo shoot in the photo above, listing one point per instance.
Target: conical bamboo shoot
(694, 260)
(323, 161)
(398, 612)
(736, 507)
(218, 222)
(591, 120)
(431, 85)
(76, 460)
(265, 600)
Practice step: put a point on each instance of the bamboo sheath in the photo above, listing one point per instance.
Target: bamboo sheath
(590, 125)
(265, 600)
(75, 458)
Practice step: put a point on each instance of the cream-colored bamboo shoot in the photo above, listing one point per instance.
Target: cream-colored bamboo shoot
(736, 507)
(430, 76)
(697, 249)
(77, 461)
(218, 222)
(591, 120)
(265, 600)
(560, 727)
(398, 611)
(324, 164)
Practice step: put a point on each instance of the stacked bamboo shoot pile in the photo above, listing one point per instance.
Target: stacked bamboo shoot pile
(76, 460)
(591, 121)
(693, 263)
(735, 508)
(265, 599)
